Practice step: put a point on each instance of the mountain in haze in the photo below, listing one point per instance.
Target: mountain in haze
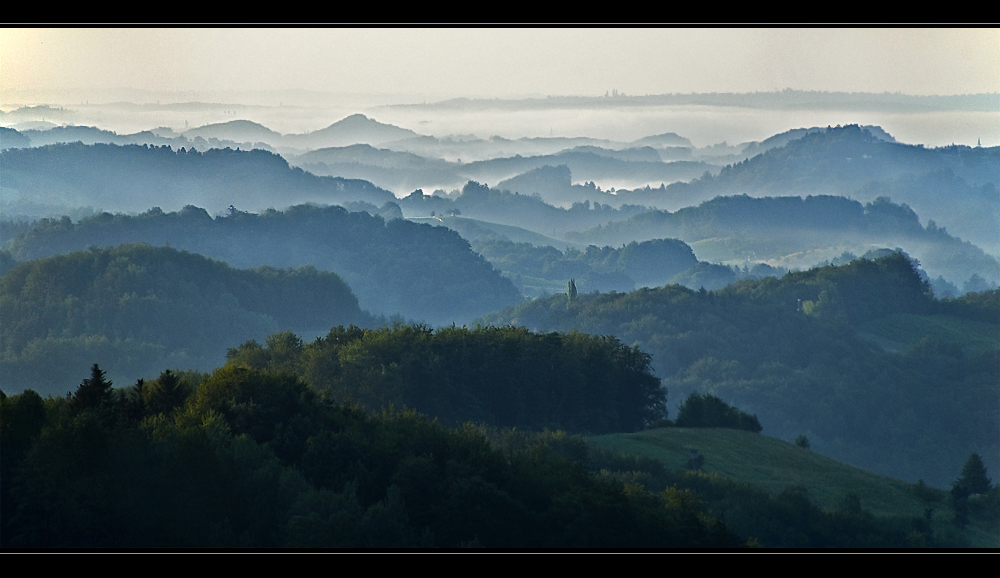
(354, 129)
(236, 130)
(669, 139)
(752, 149)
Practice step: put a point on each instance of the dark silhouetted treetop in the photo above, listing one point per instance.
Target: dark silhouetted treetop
(95, 393)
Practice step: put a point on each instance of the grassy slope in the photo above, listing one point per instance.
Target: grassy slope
(902, 328)
(769, 463)
(775, 465)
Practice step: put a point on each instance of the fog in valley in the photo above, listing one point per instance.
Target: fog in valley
(597, 232)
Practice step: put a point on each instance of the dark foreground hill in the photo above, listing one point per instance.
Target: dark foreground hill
(140, 309)
(859, 358)
(258, 458)
(394, 267)
(245, 458)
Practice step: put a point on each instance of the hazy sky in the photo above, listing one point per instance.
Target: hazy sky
(488, 62)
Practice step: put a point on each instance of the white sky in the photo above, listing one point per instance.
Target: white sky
(493, 62)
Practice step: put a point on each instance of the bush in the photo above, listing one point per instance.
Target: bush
(709, 411)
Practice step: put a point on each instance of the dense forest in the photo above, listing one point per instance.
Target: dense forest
(501, 376)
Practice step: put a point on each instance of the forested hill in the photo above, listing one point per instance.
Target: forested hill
(133, 178)
(140, 309)
(859, 358)
(395, 267)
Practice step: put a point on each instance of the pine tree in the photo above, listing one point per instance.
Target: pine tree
(164, 394)
(95, 393)
(973, 479)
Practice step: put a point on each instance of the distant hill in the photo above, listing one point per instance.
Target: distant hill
(394, 267)
(395, 171)
(586, 165)
(956, 186)
(67, 134)
(134, 178)
(669, 139)
(354, 129)
(235, 130)
(10, 139)
(753, 149)
(774, 229)
(479, 201)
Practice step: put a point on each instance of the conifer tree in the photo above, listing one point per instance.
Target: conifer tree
(973, 479)
(164, 394)
(95, 393)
